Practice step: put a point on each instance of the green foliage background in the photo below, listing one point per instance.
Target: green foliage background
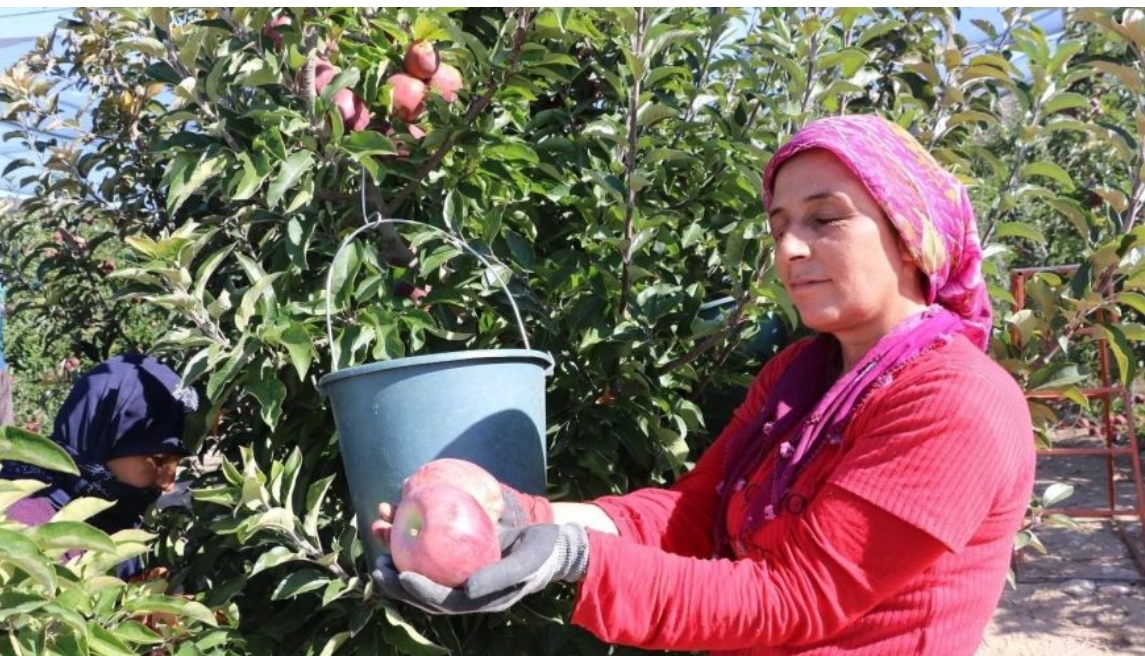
(606, 160)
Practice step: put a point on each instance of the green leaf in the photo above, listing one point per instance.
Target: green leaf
(511, 152)
(314, 497)
(1019, 229)
(143, 44)
(1074, 212)
(82, 509)
(1063, 101)
(249, 180)
(104, 643)
(1056, 493)
(12, 491)
(276, 556)
(288, 174)
(223, 496)
(1049, 170)
(300, 347)
(1133, 300)
(236, 359)
(207, 269)
(297, 583)
(407, 638)
(277, 520)
(137, 633)
(67, 535)
(246, 308)
(20, 551)
(849, 60)
(367, 142)
(178, 606)
(25, 446)
(1127, 75)
(877, 29)
(652, 113)
(1122, 352)
(270, 392)
(187, 175)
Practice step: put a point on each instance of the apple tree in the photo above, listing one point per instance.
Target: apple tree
(606, 165)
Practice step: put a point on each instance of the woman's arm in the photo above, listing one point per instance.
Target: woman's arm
(586, 514)
(680, 519)
(932, 457)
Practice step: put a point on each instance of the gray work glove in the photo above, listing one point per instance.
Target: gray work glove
(521, 510)
(535, 556)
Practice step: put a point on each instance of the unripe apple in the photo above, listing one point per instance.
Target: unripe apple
(355, 114)
(269, 32)
(442, 533)
(408, 97)
(447, 80)
(468, 476)
(324, 73)
(421, 60)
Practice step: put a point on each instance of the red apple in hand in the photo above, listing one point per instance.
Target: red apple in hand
(442, 533)
(468, 476)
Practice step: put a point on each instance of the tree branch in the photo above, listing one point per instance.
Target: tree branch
(630, 164)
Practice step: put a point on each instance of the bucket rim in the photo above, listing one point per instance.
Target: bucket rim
(434, 358)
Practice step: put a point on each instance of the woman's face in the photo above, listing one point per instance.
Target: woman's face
(837, 254)
(155, 471)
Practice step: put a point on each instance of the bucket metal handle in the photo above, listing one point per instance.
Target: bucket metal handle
(447, 237)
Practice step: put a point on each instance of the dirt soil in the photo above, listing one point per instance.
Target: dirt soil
(1086, 597)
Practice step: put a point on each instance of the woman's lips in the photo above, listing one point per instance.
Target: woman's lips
(804, 283)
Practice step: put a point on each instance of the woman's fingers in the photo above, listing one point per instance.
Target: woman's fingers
(384, 524)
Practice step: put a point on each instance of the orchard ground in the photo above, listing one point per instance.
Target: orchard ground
(1086, 597)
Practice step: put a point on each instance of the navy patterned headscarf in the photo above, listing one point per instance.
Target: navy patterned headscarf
(128, 405)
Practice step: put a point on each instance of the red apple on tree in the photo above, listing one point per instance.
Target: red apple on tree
(447, 80)
(442, 532)
(421, 60)
(468, 476)
(355, 114)
(408, 97)
(324, 73)
(269, 32)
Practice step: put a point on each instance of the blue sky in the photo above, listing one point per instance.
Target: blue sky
(19, 27)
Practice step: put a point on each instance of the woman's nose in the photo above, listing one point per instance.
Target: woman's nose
(165, 472)
(791, 245)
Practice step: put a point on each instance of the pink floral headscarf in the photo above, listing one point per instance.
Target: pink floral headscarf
(926, 204)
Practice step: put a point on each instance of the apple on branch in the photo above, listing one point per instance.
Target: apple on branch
(421, 60)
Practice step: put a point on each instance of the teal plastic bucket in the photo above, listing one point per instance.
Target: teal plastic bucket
(485, 406)
(393, 416)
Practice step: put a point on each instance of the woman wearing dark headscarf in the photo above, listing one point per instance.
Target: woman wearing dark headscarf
(864, 498)
(122, 424)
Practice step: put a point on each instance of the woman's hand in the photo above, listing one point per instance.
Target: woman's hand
(534, 557)
(384, 523)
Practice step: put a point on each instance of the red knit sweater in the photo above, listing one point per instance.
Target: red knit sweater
(895, 541)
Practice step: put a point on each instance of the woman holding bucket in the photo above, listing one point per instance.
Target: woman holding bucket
(864, 498)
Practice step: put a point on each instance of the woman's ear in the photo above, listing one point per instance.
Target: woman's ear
(904, 250)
